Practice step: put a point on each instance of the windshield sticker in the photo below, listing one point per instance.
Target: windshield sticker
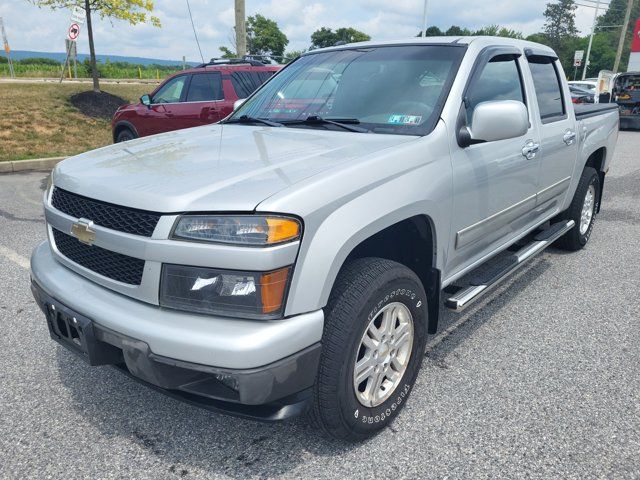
(397, 119)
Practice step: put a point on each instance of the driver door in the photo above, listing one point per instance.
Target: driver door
(494, 183)
(161, 114)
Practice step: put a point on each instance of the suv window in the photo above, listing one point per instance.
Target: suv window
(205, 87)
(499, 80)
(245, 83)
(547, 85)
(171, 92)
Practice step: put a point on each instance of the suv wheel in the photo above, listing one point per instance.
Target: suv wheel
(372, 348)
(125, 135)
(582, 211)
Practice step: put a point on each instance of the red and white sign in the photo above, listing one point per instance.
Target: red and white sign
(634, 58)
(74, 32)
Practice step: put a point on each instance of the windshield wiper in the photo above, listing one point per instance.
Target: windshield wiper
(345, 123)
(248, 119)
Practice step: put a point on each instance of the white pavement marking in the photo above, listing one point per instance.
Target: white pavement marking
(15, 257)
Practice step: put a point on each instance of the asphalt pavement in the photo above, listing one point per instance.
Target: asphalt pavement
(541, 380)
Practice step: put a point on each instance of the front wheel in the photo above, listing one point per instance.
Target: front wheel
(372, 348)
(582, 211)
(125, 135)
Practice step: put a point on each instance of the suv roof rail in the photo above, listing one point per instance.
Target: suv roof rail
(231, 61)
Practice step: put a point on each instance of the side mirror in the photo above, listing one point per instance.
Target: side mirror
(497, 120)
(238, 103)
(145, 100)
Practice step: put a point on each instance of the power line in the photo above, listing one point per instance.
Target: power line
(194, 31)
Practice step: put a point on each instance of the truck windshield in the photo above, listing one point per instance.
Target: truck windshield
(392, 89)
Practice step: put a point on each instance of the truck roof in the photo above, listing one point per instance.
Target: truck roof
(481, 41)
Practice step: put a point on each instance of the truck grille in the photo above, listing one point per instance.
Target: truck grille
(115, 217)
(115, 266)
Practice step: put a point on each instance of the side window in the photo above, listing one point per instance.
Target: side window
(548, 91)
(205, 87)
(498, 80)
(171, 92)
(245, 83)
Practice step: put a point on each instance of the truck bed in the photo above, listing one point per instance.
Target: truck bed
(586, 110)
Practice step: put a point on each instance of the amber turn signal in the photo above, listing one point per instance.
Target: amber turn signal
(282, 229)
(272, 288)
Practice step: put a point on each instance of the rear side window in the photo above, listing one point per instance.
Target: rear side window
(171, 92)
(245, 83)
(499, 80)
(205, 87)
(548, 91)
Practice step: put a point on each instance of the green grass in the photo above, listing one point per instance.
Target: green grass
(106, 71)
(37, 120)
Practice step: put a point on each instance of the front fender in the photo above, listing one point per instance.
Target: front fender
(388, 189)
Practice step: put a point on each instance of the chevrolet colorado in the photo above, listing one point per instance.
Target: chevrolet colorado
(293, 258)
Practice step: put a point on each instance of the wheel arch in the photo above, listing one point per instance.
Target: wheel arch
(597, 161)
(122, 125)
(409, 240)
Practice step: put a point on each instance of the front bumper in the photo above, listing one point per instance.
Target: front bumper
(254, 369)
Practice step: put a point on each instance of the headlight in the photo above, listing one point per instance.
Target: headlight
(224, 292)
(251, 230)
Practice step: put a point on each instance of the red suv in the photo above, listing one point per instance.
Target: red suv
(190, 98)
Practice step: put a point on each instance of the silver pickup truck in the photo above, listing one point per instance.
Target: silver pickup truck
(294, 257)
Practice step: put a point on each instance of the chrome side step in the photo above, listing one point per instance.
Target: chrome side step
(507, 266)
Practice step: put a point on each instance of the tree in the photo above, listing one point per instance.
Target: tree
(227, 53)
(615, 16)
(455, 31)
(264, 37)
(560, 26)
(326, 37)
(432, 31)
(292, 55)
(132, 11)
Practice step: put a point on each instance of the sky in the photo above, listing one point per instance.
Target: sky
(31, 28)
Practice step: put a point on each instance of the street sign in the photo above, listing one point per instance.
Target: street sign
(77, 15)
(74, 31)
(577, 58)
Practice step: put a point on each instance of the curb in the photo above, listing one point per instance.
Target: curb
(26, 165)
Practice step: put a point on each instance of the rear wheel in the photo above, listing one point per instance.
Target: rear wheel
(372, 348)
(582, 211)
(124, 135)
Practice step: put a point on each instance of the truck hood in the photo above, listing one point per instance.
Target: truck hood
(212, 168)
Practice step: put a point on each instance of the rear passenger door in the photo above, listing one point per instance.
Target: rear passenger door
(558, 136)
(495, 184)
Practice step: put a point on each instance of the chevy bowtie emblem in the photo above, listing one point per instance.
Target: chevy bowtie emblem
(82, 231)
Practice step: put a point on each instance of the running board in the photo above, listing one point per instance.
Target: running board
(505, 267)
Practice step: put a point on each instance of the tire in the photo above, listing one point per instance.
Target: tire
(366, 290)
(125, 135)
(576, 238)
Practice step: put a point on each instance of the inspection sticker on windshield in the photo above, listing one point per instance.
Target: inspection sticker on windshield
(405, 119)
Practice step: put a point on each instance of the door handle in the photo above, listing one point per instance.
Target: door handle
(569, 137)
(530, 149)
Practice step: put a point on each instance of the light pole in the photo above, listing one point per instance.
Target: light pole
(593, 29)
(424, 19)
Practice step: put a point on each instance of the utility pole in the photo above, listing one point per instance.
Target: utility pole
(623, 35)
(241, 30)
(593, 29)
(7, 49)
(424, 19)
